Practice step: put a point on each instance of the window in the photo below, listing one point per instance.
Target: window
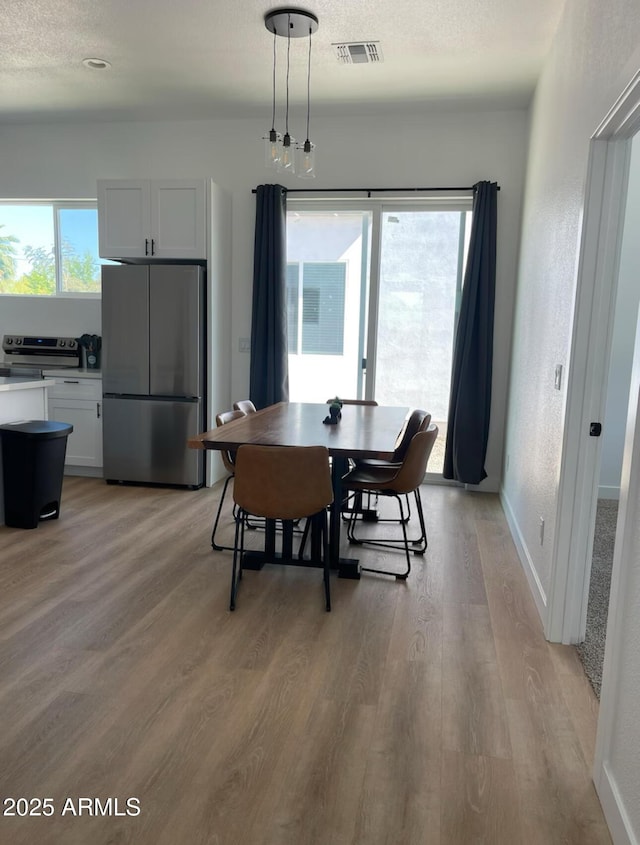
(320, 301)
(49, 249)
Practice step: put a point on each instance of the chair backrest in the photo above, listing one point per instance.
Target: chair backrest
(282, 482)
(411, 473)
(228, 458)
(354, 401)
(417, 420)
(245, 405)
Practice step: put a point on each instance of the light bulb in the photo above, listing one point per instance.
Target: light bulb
(305, 164)
(272, 148)
(286, 163)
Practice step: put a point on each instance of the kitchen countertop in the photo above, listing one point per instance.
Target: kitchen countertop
(78, 372)
(9, 383)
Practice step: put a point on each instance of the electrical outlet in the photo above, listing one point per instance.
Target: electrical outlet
(244, 344)
(542, 531)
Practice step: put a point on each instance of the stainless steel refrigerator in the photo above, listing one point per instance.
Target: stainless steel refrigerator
(153, 373)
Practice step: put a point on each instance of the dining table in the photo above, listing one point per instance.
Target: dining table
(363, 431)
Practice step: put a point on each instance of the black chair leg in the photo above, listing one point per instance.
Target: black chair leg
(215, 545)
(400, 576)
(304, 538)
(238, 551)
(324, 531)
(422, 542)
(419, 542)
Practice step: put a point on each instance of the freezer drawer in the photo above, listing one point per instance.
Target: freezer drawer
(145, 440)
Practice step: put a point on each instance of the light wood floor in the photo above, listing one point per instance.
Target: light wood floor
(417, 713)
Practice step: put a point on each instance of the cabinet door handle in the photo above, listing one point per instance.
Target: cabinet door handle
(153, 247)
(70, 381)
(146, 246)
(98, 410)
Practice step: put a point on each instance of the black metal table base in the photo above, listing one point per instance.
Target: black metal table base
(347, 567)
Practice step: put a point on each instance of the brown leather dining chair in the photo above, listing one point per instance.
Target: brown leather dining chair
(285, 483)
(245, 405)
(418, 420)
(395, 480)
(228, 461)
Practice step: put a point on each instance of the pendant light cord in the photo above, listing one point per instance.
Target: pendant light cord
(309, 84)
(273, 111)
(286, 120)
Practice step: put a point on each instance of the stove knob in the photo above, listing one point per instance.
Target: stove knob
(9, 341)
(62, 343)
(72, 344)
(19, 341)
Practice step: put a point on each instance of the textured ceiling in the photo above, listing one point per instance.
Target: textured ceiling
(190, 59)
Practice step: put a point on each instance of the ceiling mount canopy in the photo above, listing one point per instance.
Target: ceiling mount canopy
(290, 23)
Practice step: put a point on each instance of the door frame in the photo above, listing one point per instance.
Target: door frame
(605, 201)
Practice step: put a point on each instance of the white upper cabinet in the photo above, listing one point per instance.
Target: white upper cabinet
(152, 219)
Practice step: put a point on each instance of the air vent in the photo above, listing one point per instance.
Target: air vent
(358, 52)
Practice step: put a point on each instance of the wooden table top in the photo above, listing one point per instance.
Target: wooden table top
(365, 431)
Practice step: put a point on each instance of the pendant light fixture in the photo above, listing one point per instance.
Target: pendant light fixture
(281, 151)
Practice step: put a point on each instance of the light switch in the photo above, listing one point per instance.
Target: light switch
(558, 378)
(244, 344)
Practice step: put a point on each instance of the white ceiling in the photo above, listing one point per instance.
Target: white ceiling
(195, 59)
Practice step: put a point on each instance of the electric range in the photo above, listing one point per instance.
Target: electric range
(32, 354)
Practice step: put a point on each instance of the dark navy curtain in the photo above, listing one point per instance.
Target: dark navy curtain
(269, 373)
(470, 398)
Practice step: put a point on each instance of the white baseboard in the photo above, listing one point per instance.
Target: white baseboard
(539, 595)
(614, 812)
(608, 492)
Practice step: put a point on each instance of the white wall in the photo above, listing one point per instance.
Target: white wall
(624, 333)
(586, 70)
(67, 317)
(595, 54)
(430, 149)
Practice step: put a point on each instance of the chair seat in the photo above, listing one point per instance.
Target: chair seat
(375, 464)
(371, 476)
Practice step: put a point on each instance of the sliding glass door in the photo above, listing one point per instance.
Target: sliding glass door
(373, 296)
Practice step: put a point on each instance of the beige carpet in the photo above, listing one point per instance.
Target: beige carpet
(591, 651)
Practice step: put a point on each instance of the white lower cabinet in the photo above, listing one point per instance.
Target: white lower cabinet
(78, 401)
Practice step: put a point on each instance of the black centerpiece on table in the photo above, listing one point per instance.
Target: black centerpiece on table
(335, 413)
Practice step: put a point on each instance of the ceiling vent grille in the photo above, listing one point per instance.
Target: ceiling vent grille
(358, 52)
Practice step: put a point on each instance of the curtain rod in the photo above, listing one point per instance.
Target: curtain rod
(368, 191)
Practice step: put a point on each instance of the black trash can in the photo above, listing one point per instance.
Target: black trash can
(33, 454)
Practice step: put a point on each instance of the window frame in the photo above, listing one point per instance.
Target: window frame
(377, 204)
(56, 206)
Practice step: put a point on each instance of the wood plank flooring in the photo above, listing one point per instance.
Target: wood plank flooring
(430, 712)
